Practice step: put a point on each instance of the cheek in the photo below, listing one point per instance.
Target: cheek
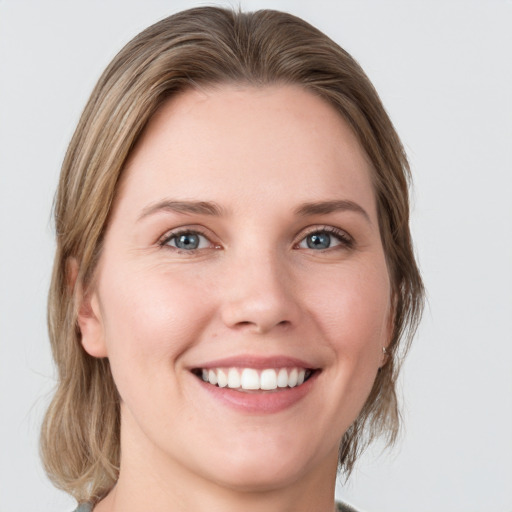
(353, 310)
(150, 318)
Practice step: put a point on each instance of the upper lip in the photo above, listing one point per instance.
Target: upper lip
(257, 362)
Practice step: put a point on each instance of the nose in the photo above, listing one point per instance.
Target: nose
(259, 295)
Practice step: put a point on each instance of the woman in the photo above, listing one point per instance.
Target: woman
(234, 284)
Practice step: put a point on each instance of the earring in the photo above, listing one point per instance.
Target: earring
(385, 351)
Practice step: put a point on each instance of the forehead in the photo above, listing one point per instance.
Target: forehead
(241, 142)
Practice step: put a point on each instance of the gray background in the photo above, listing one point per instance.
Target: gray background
(444, 72)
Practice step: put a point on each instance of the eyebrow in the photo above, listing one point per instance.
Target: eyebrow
(325, 207)
(197, 207)
(213, 209)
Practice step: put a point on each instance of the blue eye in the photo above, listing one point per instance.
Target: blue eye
(326, 238)
(187, 241)
(318, 241)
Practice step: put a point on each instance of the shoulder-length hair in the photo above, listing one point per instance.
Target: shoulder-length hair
(194, 48)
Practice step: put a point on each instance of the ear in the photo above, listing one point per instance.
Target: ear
(89, 316)
(390, 331)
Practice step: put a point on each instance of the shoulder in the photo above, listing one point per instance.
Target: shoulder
(343, 507)
(340, 507)
(84, 507)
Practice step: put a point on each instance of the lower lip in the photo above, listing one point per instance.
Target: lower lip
(264, 402)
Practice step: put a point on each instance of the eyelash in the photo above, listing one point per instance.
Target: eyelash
(170, 235)
(345, 240)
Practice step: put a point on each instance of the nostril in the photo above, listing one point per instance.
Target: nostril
(243, 325)
(261, 327)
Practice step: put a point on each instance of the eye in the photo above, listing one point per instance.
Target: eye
(187, 241)
(325, 238)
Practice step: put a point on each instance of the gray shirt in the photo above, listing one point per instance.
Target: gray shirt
(342, 507)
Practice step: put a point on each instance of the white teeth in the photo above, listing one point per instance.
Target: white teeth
(252, 379)
(268, 379)
(212, 377)
(282, 378)
(233, 378)
(222, 379)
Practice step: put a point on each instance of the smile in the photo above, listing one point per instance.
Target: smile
(251, 379)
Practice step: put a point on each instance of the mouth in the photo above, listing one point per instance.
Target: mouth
(255, 379)
(252, 384)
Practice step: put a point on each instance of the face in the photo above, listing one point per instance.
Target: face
(242, 295)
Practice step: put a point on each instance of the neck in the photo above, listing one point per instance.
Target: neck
(126, 498)
(150, 480)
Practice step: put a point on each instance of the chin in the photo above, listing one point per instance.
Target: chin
(267, 468)
(260, 476)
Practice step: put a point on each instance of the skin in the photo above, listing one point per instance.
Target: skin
(252, 288)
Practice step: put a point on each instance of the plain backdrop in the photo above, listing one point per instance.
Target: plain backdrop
(444, 72)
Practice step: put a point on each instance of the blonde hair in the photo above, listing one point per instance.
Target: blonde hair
(203, 46)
